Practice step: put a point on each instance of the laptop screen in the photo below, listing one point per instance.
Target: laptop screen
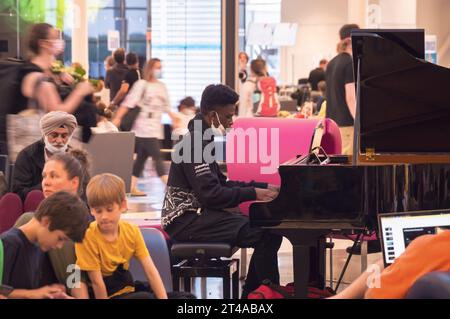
(399, 229)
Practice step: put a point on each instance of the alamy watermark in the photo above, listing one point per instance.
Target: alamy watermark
(250, 146)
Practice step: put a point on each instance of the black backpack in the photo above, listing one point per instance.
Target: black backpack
(12, 72)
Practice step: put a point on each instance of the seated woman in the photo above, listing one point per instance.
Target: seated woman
(62, 172)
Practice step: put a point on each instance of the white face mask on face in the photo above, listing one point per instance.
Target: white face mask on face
(53, 149)
(188, 112)
(158, 74)
(218, 130)
(58, 47)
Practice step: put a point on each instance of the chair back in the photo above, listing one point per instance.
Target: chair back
(32, 201)
(10, 210)
(276, 139)
(157, 247)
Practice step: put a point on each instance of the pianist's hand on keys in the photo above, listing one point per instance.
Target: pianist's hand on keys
(265, 194)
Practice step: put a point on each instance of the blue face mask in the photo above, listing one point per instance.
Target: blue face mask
(256, 97)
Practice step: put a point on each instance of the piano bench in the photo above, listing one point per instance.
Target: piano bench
(206, 260)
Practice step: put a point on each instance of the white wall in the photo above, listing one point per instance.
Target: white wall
(398, 14)
(319, 22)
(432, 15)
(318, 26)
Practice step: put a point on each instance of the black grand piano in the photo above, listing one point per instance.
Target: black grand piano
(402, 147)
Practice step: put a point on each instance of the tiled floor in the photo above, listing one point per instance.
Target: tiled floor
(152, 203)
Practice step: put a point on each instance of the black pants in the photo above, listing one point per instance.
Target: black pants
(220, 226)
(145, 148)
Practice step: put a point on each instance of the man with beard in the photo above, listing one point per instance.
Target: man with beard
(57, 129)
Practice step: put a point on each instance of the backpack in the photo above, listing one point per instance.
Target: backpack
(268, 105)
(12, 72)
(269, 290)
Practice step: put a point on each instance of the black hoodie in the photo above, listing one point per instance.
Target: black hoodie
(200, 187)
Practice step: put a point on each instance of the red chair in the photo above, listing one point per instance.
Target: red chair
(32, 201)
(10, 210)
(294, 138)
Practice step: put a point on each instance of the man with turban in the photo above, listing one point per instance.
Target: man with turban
(57, 129)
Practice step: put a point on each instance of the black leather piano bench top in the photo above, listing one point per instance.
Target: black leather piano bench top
(205, 260)
(188, 250)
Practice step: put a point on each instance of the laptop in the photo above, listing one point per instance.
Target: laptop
(398, 230)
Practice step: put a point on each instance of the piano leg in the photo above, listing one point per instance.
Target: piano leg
(317, 268)
(308, 258)
(301, 270)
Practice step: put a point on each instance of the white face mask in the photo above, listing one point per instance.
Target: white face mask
(158, 74)
(54, 149)
(218, 130)
(58, 47)
(188, 112)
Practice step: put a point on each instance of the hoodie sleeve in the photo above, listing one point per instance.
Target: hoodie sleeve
(209, 190)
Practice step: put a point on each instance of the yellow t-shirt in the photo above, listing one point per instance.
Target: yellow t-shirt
(96, 253)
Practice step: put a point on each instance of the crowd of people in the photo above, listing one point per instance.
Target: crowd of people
(78, 222)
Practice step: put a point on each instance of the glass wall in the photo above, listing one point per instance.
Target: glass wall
(186, 36)
(17, 15)
(260, 11)
(129, 17)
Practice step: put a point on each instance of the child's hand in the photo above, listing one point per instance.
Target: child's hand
(61, 295)
(48, 292)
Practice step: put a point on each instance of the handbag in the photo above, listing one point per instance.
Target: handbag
(24, 128)
(269, 290)
(130, 117)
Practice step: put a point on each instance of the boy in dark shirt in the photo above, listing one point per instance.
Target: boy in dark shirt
(60, 217)
(133, 75)
(115, 76)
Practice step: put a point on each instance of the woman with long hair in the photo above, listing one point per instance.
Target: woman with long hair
(151, 95)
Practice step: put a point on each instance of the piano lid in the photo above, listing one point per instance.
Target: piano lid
(404, 102)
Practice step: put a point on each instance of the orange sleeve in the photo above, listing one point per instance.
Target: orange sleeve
(425, 254)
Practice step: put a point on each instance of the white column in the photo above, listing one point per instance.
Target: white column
(357, 12)
(80, 50)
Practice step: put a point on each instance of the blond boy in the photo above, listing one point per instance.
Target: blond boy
(110, 243)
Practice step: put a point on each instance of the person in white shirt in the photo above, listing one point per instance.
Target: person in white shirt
(186, 112)
(247, 96)
(151, 95)
(104, 124)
